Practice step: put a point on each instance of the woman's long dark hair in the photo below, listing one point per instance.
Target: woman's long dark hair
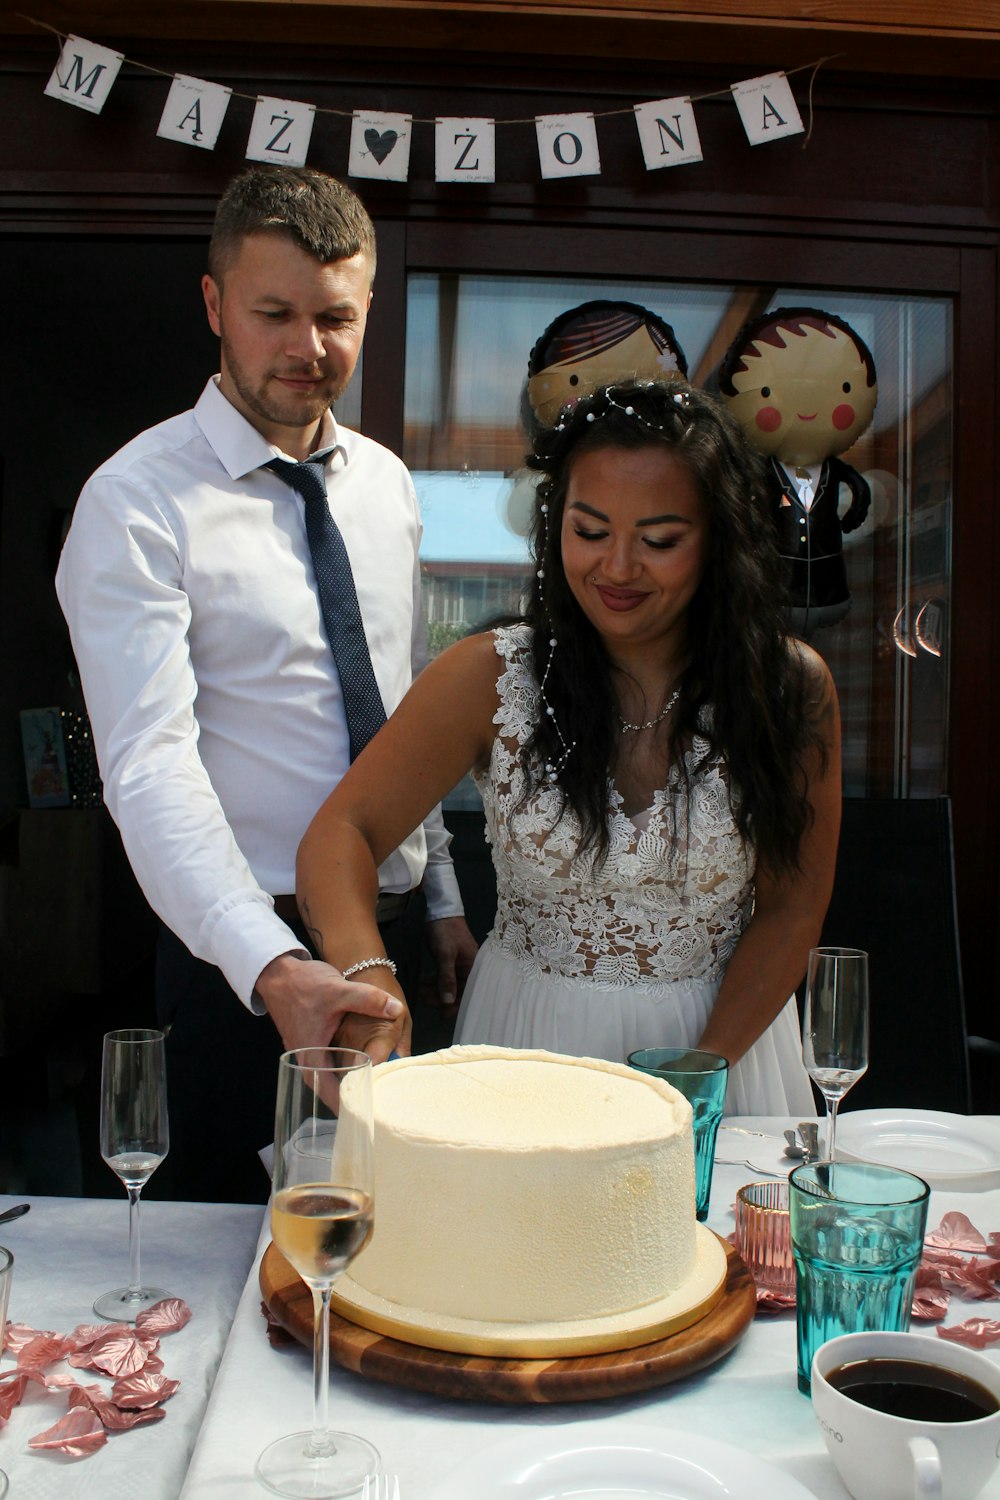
(741, 665)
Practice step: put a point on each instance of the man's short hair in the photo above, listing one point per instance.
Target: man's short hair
(321, 215)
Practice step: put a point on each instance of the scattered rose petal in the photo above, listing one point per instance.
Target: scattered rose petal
(930, 1297)
(278, 1335)
(957, 1232)
(118, 1420)
(85, 1334)
(930, 1306)
(976, 1333)
(772, 1301)
(166, 1316)
(142, 1390)
(40, 1352)
(979, 1279)
(93, 1397)
(943, 1258)
(10, 1394)
(116, 1354)
(19, 1334)
(79, 1433)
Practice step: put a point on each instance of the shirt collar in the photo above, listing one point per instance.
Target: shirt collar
(237, 444)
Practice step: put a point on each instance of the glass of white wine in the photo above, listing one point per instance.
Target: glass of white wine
(135, 1137)
(322, 1214)
(835, 1027)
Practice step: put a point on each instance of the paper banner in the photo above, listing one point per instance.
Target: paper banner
(280, 132)
(567, 145)
(465, 151)
(84, 74)
(194, 112)
(668, 133)
(380, 146)
(767, 108)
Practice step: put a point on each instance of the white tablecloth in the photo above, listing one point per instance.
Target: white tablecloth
(750, 1398)
(67, 1251)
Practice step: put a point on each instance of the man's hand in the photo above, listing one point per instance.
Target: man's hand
(312, 1005)
(454, 949)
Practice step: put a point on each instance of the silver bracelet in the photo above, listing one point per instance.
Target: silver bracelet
(369, 963)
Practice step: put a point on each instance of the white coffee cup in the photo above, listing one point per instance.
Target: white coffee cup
(884, 1457)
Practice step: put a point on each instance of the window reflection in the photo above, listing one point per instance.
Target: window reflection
(468, 342)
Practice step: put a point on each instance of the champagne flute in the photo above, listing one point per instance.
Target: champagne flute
(134, 1140)
(322, 1213)
(835, 1026)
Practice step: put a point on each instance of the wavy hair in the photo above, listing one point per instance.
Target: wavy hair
(744, 687)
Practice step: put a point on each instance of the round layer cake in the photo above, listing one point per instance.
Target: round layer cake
(527, 1188)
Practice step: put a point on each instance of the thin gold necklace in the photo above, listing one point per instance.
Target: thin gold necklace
(651, 723)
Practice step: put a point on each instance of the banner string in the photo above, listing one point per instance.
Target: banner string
(528, 120)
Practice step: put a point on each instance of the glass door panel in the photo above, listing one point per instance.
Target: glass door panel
(468, 341)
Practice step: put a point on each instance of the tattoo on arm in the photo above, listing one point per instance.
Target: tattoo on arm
(314, 933)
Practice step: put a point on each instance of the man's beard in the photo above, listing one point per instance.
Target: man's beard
(272, 405)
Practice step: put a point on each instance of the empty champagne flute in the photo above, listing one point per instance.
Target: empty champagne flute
(835, 1027)
(322, 1213)
(134, 1140)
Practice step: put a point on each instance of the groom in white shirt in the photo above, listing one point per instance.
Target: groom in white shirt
(215, 701)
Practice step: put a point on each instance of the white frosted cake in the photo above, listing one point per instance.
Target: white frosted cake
(530, 1190)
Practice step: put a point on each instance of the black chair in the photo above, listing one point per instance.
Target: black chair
(894, 896)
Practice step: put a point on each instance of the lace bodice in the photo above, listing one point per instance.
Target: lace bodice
(652, 910)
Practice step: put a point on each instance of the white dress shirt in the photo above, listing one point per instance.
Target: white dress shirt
(187, 583)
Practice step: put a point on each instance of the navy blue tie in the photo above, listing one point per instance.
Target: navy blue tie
(339, 602)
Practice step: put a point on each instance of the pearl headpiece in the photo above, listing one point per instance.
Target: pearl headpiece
(679, 398)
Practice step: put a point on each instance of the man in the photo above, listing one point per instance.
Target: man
(201, 624)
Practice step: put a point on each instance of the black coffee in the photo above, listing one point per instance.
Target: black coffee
(907, 1388)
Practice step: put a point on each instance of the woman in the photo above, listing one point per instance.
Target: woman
(659, 764)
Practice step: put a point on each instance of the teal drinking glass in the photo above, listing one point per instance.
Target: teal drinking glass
(857, 1237)
(701, 1077)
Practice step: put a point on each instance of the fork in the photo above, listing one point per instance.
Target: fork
(721, 1161)
(380, 1487)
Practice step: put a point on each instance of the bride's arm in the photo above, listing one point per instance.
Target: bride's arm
(441, 730)
(770, 958)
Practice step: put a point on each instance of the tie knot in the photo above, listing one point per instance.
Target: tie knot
(307, 478)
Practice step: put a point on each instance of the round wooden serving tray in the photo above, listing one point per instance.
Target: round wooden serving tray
(472, 1377)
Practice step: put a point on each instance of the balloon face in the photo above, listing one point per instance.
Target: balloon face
(805, 400)
(568, 381)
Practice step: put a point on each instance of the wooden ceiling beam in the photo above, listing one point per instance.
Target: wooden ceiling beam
(898, 37)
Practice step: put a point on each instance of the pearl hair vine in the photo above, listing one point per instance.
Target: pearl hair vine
(552, 767)
(680, 398)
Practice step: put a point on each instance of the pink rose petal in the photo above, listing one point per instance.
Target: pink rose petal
(930, 1306)
(79, 1433)
(19, 1334)
(933, 1256)
(143, 1390)
(93, 1397)
(979, 1280)
(277, 1335)
(115, 1354)
(167, 1316)
(771, 1301)
(85, 1334)
(957, 1232)
(40, 1352)
(118, 1420)
(10, 1394)
(976, 1333)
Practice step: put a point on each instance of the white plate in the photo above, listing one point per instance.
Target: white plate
(948, 1151)
(612, 1461)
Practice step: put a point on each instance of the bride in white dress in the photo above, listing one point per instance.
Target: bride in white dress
(659, 764)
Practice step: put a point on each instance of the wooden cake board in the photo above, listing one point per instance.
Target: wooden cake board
(479, 1378)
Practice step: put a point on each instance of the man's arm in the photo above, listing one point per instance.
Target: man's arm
(120, 584)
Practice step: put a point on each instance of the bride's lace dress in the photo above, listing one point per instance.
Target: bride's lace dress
(600, 959)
